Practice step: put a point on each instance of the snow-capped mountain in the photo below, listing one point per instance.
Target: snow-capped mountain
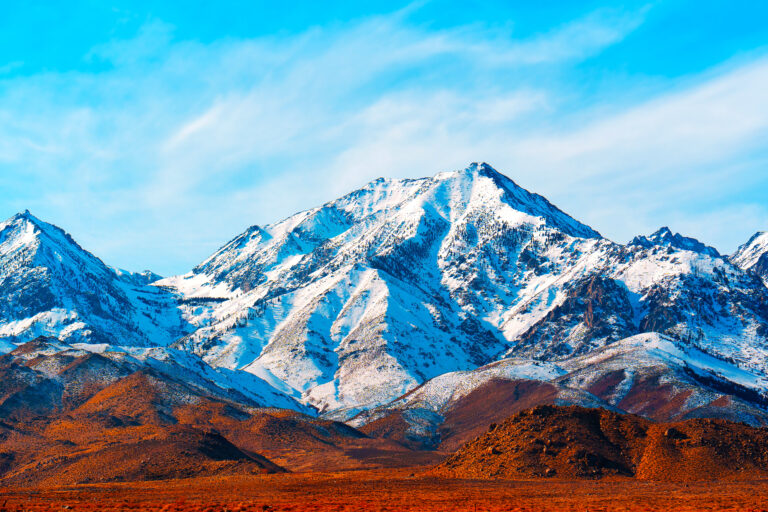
(45, 375)
(364, 298)
(753, 255)
(648, 374)
(138, 278)
(461, 277)
(701, 299)
(51, 286)
(665, 238)
(358, 301)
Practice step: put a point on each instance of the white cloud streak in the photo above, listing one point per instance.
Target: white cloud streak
(176, 146)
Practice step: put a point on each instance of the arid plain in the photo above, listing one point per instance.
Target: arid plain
(390, 490)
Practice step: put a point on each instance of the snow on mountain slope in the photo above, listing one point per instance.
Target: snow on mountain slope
(240, 387)
(652, 348)
(689, 294)
(648, 374)
(47, 374)
(753, 255)
(439, 394)
(365, 297)
(665, 238)
(349, 306)
(138, 278)
(50, 286)
(357, 301)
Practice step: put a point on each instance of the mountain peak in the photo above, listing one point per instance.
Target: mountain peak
(664, 237)
(517, 197)
(138, 278)
(21, 230)
(476, 170)
(25, 225)
(27, 216)
(476, 194)
(662, 233)
(52, 286)
(483, 168)
(753, 255)
(24, 229)
(486, 170)
(761, 236)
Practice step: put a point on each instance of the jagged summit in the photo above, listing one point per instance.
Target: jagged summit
(26, 214)
(664, 237)
(143, 278)
(50, 285)
(529, 202)
(20, 217)
(478, 193)
(26, 218)
(753, 255)
(34, 242)
(25, 240)
(760, 235)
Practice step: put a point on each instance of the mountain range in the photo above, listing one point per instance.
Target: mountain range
(417, 310)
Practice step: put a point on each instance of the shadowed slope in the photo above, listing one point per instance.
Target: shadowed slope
(125, 431)
(302, 443)
(148, 425)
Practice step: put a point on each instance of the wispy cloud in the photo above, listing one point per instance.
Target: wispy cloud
(171, 146)
(724, 114)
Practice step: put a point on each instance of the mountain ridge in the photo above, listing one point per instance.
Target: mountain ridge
(50, 285)
(502, 281)
(753, 255)
(351, 305)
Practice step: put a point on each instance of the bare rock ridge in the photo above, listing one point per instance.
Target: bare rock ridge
(71, 417)
(574, 442)
(665, 238)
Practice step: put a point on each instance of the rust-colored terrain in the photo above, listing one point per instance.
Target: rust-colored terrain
(80, 432)
(130, 431)
(630, 464)
(74, 419)
(389, 490)
(576, 442)
(494, 401)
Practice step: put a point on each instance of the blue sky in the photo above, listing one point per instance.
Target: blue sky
(154, 134)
